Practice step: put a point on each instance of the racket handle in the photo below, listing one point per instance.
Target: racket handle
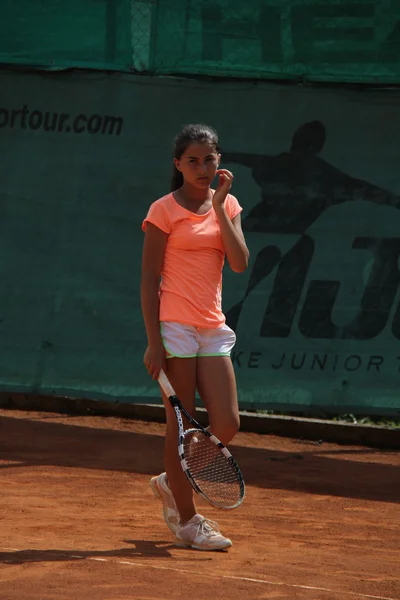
(165, 385)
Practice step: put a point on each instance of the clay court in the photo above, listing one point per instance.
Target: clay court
(319, 522)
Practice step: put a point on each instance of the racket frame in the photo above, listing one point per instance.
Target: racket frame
(179, 411)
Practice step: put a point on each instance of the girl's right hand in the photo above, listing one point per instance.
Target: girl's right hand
(154, 360)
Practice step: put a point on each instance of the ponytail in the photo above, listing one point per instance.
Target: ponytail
(176, 180)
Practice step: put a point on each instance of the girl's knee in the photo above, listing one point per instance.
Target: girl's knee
(234, 427)
(226, 430)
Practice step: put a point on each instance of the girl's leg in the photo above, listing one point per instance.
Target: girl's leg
(216, 383)
(193, 531)
(182, 375)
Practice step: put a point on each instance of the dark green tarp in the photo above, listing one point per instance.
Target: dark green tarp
(317, 313)
(314, 40)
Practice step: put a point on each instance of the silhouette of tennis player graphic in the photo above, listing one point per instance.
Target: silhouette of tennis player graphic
(297, 187)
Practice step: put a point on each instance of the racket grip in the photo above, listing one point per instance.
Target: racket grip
(165, 385)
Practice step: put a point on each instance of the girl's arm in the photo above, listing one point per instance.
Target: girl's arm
(152, 259)
(236, 250)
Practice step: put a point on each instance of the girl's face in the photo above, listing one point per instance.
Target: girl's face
(198, 164)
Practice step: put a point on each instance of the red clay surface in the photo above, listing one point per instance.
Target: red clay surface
(78, 519)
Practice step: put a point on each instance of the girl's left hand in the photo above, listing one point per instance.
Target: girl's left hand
(224, 185)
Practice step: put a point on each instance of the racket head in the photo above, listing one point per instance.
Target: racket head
(212, 470)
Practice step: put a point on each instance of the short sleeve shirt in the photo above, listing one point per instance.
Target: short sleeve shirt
(191, 277)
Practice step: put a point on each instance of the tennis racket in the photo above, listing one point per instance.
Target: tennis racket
(206, 462)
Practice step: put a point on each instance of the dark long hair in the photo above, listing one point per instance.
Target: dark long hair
(191, 134)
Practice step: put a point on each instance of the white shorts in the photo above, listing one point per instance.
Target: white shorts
(187, 341)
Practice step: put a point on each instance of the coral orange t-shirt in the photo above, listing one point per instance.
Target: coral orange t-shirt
(191, 277)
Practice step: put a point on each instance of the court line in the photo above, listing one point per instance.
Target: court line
(231, 577)
(252, 580)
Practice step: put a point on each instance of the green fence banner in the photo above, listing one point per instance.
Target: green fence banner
(317, 314)
(55, 34)
(313, 40)
(309, 40)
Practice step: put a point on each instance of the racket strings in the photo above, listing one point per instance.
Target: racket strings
(214, 473)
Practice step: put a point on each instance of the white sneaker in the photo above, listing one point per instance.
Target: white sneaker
(162, 491)
(201, 534)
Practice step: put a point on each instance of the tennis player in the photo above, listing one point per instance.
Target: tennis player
(188, 234)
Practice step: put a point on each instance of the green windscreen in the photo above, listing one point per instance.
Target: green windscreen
(314, 40)
(316, 314)
(77, 33)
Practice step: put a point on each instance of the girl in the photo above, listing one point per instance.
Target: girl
(188, 233)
